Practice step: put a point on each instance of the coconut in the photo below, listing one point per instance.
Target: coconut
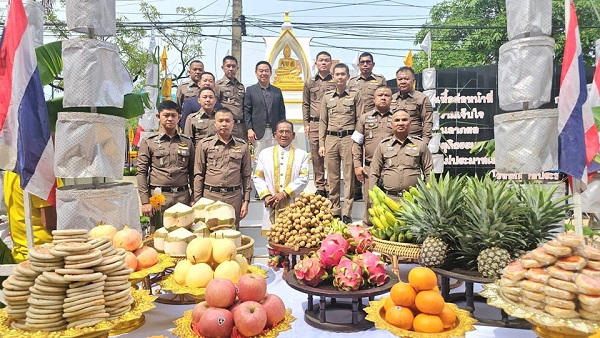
(200, 229)
(176, 241)
(200, 208)
(233, 235)
(178, 216)
(220, 215)
(159, 239)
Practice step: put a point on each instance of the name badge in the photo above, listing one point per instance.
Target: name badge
(213, 150)
(390, 148)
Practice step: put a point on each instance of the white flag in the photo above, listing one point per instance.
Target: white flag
(426, 44)
(152, 44)
(355, 61)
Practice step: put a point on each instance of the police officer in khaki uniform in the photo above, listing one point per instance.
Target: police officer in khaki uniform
(415, 103)
(165, 160)
(339, 110)
(223, 168)
(371, 128)
(231, 95)
(201, 124)
(192, 104)
(190, 88)
(312, 96)
(400, 160)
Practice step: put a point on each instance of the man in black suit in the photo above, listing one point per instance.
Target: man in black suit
(263, 108)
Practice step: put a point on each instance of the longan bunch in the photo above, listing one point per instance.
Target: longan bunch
(302, 224)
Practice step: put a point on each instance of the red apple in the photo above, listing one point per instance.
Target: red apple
(216, 322)
(220, 292)
(274, 308)
(252, 287)
(250, 318)
(198, 311)
(235, 306)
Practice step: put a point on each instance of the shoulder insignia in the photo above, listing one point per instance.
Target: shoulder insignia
(208, 139)
(386, 139)
(152, 135)
(240, 140)
(184, 136)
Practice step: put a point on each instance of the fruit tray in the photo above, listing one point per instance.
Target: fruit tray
(408, 251)
(247, 249)
(376, 313)
(184, 328)
(164, 262)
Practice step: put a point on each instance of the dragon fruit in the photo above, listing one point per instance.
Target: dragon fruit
(347, 275)
(332, 249)
(309, 271)
(362, 240)
(373, 267)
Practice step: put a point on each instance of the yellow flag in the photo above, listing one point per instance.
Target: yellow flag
(130, 135)
(163, 60)
(166, 89)
(408, 60)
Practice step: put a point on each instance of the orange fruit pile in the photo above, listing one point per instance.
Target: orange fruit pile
(418, 305)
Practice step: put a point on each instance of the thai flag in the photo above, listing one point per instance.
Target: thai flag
(578, 136)
(25, 141)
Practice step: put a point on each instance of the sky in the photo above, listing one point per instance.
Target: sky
(344, 28)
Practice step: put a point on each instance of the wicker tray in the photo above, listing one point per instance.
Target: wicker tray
(404, 251)
(247, 249)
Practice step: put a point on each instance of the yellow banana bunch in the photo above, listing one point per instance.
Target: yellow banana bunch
(389, 217)
(414, 191)
(393, 205)
(408, 197)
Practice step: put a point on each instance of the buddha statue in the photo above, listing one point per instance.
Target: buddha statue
(286, 71)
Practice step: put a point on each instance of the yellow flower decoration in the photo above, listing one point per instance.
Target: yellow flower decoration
(157, 200)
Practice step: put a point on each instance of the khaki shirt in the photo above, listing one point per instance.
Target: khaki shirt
(338, 112)
(222, 165)
(164, 161)
(312, 95)
(371, 128)
(366, 88)
(231, 95)
(186, 90)
(419, 107)
(199, 126)
(400, 164)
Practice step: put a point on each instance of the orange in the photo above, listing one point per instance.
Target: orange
(430, 302)
(388, 303)
(403, 294)
(422, 278)
(428, 323)
(448, 317)
(400, 317)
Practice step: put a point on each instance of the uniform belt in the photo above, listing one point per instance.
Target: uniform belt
(367, 163)
(171, 189)
(238, 121)
(221, 189)
(268, 125)
(313, 119)
(340, 133)
(393, 193)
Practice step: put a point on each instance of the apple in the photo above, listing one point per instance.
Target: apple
(198, 311)
(220, 292)
(198, 275)
(235, 306)
(250, 318)
(251, 287)
(274, 308)
(216, 322)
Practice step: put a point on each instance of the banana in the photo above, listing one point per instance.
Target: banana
(407, 196)
(390, 218)
(393, 205)
(384, 221)
(372, 212)
(380, 194)
(414, 191)
(373, 197)
(377, 223)
(379, 210)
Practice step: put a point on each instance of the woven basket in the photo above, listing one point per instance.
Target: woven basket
(404, 251)
(247, 248)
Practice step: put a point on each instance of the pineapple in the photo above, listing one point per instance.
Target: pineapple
(432, 216)
(490, 229)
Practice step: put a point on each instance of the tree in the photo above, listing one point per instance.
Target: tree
(470, 32)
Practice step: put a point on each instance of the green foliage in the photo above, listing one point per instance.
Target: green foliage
(489, 146)
(129, 171)
(470, 32)
(49, 58)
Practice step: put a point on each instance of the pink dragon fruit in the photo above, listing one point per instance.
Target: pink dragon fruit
(362, 240)
(332, 249)
(309, 271)
(373, 267)
(347, 275)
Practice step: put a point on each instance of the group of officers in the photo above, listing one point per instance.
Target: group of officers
(353, 124)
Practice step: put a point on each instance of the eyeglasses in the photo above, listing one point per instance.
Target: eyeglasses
(366, 62)
(284, 132)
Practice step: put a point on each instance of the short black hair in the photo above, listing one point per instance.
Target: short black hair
(382, 86)
(263, 63)
(168, 105)
(196, 61)
(366, 54)
(230, 57)
(322, 53)
(404, 69)
(342, 65)
(209, 73)
(283, 122)
(224, 110)
(206, 88)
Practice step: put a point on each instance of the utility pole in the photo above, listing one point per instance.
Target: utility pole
(237, 25)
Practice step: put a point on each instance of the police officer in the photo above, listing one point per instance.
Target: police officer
(165, 160)
(200, 125)
(190, 88)
(338, 113)
(371, 128)
(231, 95)
(223, 167)
(400, 160)
(415, 103)
(365, 84)
(314, 89)
(192, 104)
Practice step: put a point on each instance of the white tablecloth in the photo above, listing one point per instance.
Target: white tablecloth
(159, 321)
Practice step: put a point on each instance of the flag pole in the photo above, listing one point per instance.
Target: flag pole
(577, 213)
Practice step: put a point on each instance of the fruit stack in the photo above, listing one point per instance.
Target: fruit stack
(65, 285)
(418, 305)
(561, 277)
(383, 214)
(138, 256)
(247, 308)
(208, 258)
(365, 268)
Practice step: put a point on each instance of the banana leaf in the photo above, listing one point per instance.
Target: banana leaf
(133, 106)
(49, 57)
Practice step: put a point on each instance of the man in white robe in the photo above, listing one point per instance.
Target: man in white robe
(281, 173)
